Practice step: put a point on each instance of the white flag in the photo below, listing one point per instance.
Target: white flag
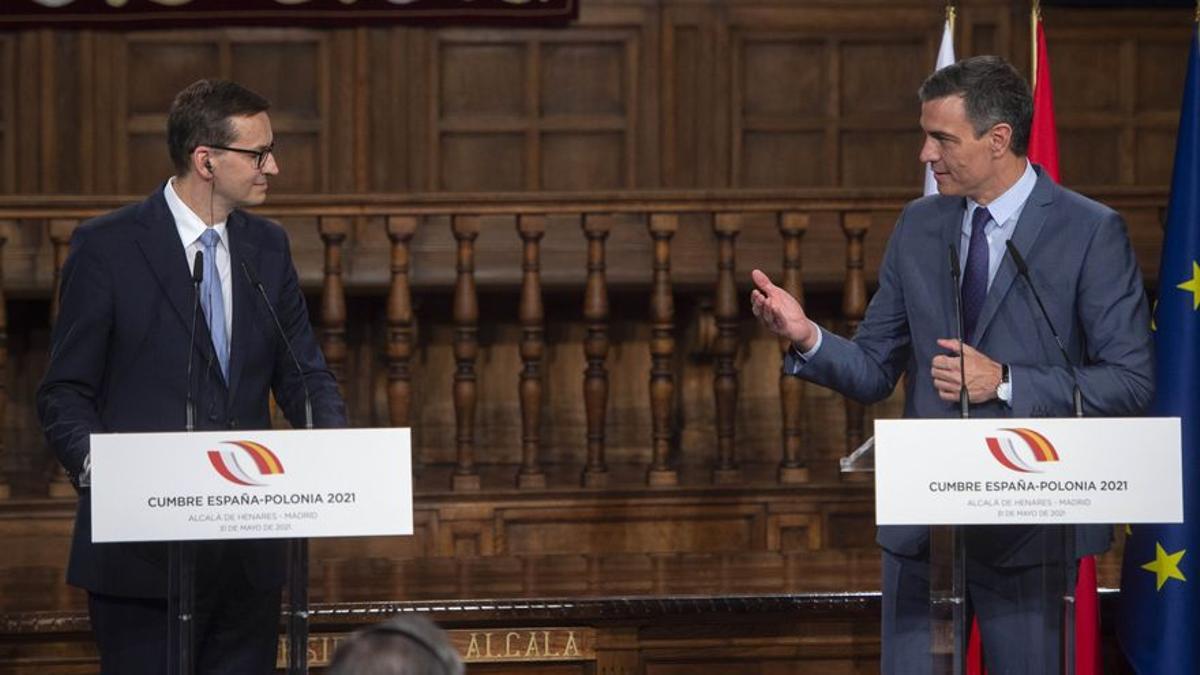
(945, 57)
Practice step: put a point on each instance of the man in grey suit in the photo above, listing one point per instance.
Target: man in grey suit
(976, 116)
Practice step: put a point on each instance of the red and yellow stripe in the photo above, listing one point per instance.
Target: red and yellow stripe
(1043, 451)
(268, 464)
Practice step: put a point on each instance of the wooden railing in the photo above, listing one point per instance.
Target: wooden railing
(806, 239)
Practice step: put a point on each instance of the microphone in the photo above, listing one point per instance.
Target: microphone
(257, 285)
(197, 278)
(1023, 270)
(964, 404)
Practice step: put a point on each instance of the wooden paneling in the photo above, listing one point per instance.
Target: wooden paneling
(534, 110)
(633, 94)
(812, 110)
(1117, 99)
(288, 67)
(8, 114)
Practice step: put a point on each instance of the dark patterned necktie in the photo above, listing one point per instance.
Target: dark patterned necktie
(975, 276)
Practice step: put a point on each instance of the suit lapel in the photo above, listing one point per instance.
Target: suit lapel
(164, 253)
(1028, 228)
(951, 238)
(241, 250)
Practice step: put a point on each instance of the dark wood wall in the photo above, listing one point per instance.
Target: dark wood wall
(744, 98)
(637, 93)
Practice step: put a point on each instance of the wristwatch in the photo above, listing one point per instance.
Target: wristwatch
(1004, 389)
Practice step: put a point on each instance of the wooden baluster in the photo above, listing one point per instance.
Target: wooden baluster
(726, 226)
(532, 314)
(333, 230)
(6, 227)
(854, 305)
(662, 351)
(400, 230)
(466, 349)
(792, 468)
(61, 230)
(595, 348)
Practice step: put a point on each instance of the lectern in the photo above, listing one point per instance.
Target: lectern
(955, 476)
(187, 487)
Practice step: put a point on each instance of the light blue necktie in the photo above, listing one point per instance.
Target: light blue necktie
(213, 301)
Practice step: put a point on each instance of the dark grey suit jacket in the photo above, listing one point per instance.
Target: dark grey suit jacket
(118, 360)
(1082, 263)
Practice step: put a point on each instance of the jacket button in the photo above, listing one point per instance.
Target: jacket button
(232, 424)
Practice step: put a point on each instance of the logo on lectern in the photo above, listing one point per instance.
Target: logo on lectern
(1024, 455)
(239, 464)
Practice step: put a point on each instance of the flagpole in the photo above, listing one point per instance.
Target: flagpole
(951, 14)
(1035, 15)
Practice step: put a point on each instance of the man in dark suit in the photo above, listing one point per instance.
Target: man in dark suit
(976, 116)
(118, 363)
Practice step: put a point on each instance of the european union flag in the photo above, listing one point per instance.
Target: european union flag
(1159, 622)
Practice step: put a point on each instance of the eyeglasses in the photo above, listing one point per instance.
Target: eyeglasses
(260, 156)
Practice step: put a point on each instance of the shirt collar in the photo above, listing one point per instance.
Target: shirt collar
(189, 225)
(1004, 207)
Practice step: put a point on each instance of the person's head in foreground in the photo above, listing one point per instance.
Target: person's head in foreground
(405, 645)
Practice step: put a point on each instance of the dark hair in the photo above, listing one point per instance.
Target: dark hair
(993, 92)
(405, 645)
(200, 115)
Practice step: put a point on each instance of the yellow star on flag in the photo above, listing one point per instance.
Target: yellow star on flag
(1165, 566)
(1193, 285)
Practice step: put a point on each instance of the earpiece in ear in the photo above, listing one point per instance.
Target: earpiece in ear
(208, 165)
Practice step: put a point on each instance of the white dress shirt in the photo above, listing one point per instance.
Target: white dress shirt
(190, 227)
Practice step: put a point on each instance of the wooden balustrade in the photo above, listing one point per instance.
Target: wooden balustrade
(532, 314)
(726, 226)
(333, 230)
(466, 350)
(662, 351)
(793, 217)
(854, 306)
(5, 228)
(595, 348)
(400, 322)
(60, 231)
(792, 468)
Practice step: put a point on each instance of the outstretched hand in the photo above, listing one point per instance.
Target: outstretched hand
(781, 313)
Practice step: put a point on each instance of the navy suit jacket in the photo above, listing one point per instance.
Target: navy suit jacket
(118, 362)
(1084, 268)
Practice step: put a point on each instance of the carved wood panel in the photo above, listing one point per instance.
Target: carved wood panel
(1117, 101)
(534, 110)
(289, 67)
(633, 94)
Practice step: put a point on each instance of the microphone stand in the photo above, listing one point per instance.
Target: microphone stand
(948, 595)
(1067, 661)
(181, 555)
(297, 619)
